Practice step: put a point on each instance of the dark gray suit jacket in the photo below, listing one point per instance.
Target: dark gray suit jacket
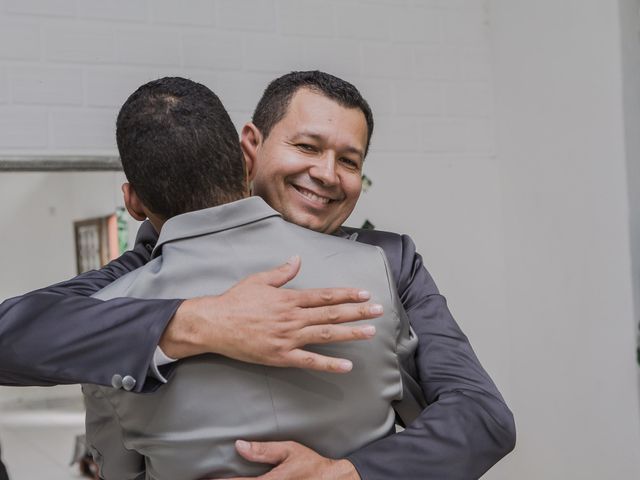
(465, 429)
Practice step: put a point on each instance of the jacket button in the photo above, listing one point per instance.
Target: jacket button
(128, 383)
(116, 381)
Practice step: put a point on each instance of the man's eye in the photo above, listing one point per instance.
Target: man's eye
(350, 163)
(306, 147)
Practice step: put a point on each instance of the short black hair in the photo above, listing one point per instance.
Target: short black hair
(275, 100)
(179, 148)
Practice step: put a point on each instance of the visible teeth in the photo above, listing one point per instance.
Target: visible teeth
(312, 196)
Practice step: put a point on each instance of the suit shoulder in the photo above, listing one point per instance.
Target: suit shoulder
(325, 241)
(120, 287)
(394, 244)
(375, 237)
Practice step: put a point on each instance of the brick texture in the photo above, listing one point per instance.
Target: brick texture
(73, 44)
(424, 65)
(91, 130)
(60, 8)
(258, 15)
(46, 85)
(218, 51)
(23, 127)
(4, 86)
(187, 12)
(19, 41)
(120, 10)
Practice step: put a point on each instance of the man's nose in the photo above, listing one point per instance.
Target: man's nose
(324, 171)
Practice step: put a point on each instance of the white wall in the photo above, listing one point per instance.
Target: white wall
(67, 66)
(630, 24)
(560, 124)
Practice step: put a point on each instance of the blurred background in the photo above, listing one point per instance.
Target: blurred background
(507, 144)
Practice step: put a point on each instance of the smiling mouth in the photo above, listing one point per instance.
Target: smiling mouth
(314, 197)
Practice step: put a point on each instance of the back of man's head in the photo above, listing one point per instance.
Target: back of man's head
(179, 148)
(275, 100)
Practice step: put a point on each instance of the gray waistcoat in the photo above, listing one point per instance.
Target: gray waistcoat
(187, 428)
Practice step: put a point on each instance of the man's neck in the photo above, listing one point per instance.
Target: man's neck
(156, 220)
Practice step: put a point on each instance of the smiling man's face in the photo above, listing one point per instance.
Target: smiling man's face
(309, 168)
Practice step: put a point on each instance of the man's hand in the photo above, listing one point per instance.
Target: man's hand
(294, 462)
(256, 321)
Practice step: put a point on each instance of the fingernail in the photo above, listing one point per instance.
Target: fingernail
(376, 309)
(369, 330)
(242, 445)
(292, 259)
(364, 295)
(345, 365)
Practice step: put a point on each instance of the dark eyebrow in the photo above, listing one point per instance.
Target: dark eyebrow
(313, 136)
(320, 139)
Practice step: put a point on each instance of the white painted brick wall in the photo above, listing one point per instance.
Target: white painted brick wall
(242, 90)
(148, 46)
(333, 55)
(379, 94)
(306, 17)
(108, 87)
(18, 40)
(23, 127)
(46, 85)
(4, 85)
(118, 10)
(396, 134)
(258, 15)
(354, 21)
(437, 62)
(94, 129)
(272, 53)
(417, 25)
(214, 51)
(82, 44)
(62, 8)
(187, 12)
(421, 63)
(419, 98)
(386, 60)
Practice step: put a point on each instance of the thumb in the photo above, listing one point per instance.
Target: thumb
(272, 453)
(278, 276)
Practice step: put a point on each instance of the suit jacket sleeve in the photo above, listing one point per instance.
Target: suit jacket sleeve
(59, 334)
(466, 427)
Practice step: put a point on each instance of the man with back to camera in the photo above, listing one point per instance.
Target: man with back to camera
(466, 428)
(176, 131)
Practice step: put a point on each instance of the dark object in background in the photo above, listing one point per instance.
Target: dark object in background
(366, 183)
(367, 225)
(81, 456)
(3, 472)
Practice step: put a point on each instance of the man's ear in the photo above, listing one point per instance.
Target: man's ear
(134, 206)
(250, 141)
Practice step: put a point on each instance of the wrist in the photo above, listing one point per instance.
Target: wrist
(343, 469)
(185, 332)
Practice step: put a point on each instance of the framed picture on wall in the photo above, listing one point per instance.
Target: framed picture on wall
(100, 240)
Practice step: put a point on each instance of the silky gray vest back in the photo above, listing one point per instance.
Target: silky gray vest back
(187, 428)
